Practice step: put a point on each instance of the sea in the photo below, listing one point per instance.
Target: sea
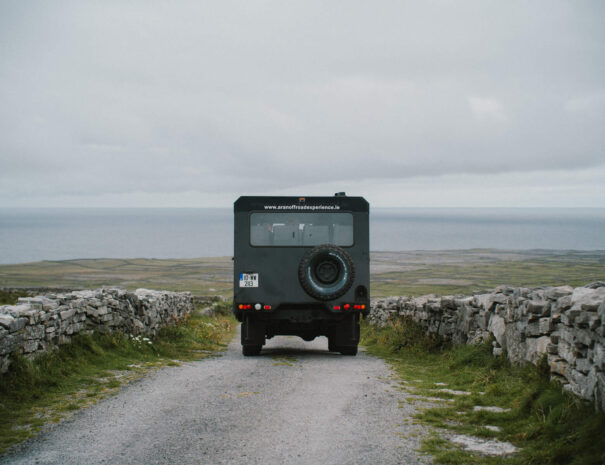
(28, 235)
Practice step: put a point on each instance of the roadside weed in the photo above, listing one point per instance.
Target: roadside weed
(486, 397)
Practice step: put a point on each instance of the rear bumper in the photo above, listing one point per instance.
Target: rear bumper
(303, 313)
(342, 326)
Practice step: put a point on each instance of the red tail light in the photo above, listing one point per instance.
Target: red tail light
(267, 307)
(346, 306)
(336, 307)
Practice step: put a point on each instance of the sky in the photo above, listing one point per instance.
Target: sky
(194, 103)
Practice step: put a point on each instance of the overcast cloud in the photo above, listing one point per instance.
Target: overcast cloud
(427, 103)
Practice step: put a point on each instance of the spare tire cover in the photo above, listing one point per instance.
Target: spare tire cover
(326, 272)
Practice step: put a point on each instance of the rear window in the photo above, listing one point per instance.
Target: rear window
(301, 229)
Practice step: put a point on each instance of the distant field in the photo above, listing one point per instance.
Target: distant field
(465, 271)
(201, 276)
(393, 273)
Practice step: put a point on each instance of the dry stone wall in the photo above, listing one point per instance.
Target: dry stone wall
(37, 324)
(564, 324)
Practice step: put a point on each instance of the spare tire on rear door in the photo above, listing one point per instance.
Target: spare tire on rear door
(326, 272)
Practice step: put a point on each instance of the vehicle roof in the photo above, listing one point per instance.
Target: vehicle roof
(301, 204)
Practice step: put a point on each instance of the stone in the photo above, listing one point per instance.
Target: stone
(589, 387)
(562, 304)
(555, 293)
(497, 326)
(455, 392)
(480, 301)
(492, 409)
(599, 356)
(515, 342)
(19, 324)
(573, 389)
(579, 380)
(481, 320)
(536, 347)
(594, 322)
(545, 325)
(4, 364)
(595, 285)
(9, 343)
(102, 311)
(34, 332)
(484, 446)
(587, 299)
(495, 429)
(462, 301)
(539, 307)
(581, 338)
(557, 365)
(533, 329)
(583, 319)
(555, 337)
(494, 299)
(30, 346)
(583, 365)
(67, 314)
(601, 311)
(566, 352)
(6, 321)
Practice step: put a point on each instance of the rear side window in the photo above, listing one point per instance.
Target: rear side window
(301, 229)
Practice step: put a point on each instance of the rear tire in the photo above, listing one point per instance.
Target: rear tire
(348, 350)
(331, 346)
(251, 350)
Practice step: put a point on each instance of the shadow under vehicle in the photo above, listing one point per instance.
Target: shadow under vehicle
(302, 268)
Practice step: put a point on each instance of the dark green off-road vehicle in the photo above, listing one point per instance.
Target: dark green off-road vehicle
(301, 267)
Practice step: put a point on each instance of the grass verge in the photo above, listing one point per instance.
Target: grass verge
(10, 298)
(77, 375)
(549, 425)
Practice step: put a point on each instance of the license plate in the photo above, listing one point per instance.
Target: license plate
(248, 280)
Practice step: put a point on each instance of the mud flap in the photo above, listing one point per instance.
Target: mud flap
(346, 334)
(253, 331)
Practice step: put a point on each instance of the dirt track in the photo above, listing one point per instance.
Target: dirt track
(296, 403)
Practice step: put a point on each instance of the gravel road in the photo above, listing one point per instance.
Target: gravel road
(296, 403)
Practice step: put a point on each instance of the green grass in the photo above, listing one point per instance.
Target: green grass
(549, 425)
(47, 389)
(10, 298)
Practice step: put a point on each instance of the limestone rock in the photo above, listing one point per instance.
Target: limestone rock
(39, 323)
(565, 324)
(497, 326)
